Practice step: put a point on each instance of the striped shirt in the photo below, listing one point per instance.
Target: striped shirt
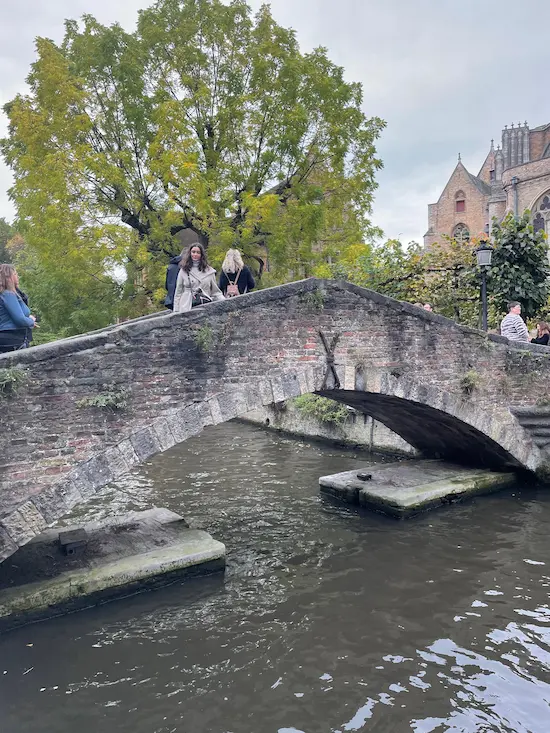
(513, 327)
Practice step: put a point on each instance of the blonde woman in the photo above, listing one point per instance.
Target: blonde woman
(195, 279)
(235, 278)
(15, 317)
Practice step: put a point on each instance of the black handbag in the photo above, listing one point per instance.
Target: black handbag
(200, 298)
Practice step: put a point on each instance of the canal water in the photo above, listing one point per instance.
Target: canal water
(328, 620)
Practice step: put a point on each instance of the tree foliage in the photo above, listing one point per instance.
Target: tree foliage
(6, 233)
(205, 118)
(520, 267)
(444, 275)
(68, 296)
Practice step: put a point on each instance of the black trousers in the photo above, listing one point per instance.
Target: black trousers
(14, 339)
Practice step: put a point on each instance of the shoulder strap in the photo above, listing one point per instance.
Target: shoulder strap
(236, 276)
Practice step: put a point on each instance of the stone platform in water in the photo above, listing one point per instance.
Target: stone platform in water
(123, 555)
(406, 488)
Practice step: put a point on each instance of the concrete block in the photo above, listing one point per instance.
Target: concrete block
(148, 549)
(405, 489)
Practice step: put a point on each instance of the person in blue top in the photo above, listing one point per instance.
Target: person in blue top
(15, 317)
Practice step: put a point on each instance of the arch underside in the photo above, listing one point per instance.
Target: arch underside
(434, 433)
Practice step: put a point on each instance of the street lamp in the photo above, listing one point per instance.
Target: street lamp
(483, 254)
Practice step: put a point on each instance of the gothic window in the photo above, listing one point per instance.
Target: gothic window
(541, 214)
(461, 233)
(538, 223)
(492, 176)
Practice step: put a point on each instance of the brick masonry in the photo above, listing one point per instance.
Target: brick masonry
(257, 349)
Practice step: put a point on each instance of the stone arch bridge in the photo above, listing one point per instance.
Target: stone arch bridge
(450, 391)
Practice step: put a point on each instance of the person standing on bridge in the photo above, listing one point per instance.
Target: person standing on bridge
(513, 326)
(196, 283)
(16, 320)
(172, 272)
(235, 278)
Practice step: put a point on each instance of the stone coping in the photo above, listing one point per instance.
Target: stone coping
(110, 334)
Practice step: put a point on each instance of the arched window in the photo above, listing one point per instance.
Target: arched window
(460, 202)
(541, 214)
(461, 233)
(538, 223)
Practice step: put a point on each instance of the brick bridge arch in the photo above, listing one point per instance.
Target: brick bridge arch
(448, 390)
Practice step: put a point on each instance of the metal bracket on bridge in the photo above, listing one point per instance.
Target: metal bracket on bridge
(331, 369)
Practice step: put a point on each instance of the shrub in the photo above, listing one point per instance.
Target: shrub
(322, 409)
(111, 400)
(11, 379)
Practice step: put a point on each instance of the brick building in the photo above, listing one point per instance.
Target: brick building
(514, 177)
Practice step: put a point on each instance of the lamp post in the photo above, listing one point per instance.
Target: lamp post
(483, 255)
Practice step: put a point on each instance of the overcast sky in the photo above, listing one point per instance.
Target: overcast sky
(445, 75)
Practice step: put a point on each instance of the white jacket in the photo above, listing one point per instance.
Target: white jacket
(187, 284)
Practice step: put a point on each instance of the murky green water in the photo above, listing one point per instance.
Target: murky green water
(327, 620)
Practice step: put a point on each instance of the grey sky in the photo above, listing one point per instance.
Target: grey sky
(445, 75)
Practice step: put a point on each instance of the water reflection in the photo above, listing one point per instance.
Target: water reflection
(328, 620)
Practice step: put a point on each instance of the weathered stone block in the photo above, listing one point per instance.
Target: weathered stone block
(145, 443)
(291, 385)
(128, 453)
(7, 545)
(215, 411)
(55, 501)
(116, 462)
(164, 435)
(277, 388)
(184, 423)
(228, 406)
(24, 523)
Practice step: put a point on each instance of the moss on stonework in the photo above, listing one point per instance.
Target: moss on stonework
(11, 379)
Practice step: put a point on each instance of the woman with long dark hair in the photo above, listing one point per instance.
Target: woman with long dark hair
(195, 279)
(16, 320)
(543, 334)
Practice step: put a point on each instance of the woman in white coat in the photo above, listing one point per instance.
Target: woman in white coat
(195, 274)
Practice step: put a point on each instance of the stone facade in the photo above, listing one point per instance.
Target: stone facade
(185, 371)
(514, 177)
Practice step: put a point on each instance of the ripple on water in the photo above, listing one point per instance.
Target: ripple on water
(328, 619)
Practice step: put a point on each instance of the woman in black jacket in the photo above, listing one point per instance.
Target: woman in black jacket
(543, 334)
(235, 278)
